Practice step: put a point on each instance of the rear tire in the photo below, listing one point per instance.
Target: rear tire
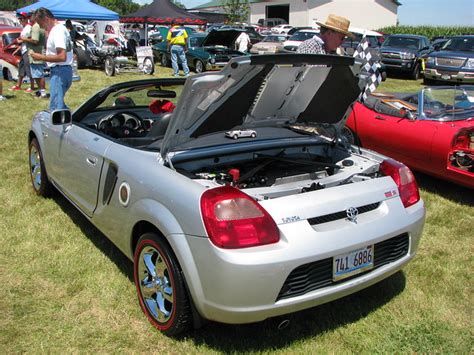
(164, 60)
(198, 66)
(161, 286)
(83, 60)
(38, 174)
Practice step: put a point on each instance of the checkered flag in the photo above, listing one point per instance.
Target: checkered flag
(370, 68)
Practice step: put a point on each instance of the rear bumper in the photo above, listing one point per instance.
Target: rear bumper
(242, 286)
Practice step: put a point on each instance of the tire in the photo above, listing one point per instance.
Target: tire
(164, 60)
(148, 66)
(235, 136)
(83, 59)
(350, 136)
(199, 66)
(109, 66)
(253, 135)
(8, 75)
(415, 74)
(38, 174)
(383, 75)
(161, 286)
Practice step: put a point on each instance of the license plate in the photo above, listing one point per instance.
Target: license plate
(445, 76)
(261, 52)
(353, 263)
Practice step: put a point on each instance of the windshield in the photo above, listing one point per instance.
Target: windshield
(274, 39)
(402, 42)
(302, 36)
(8, 38)
(460, 44)
(456, 103)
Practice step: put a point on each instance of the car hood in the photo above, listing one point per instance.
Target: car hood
(451, 54)
(264, 91)
(221, 38)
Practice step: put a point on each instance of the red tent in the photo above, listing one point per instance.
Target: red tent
(163, 12)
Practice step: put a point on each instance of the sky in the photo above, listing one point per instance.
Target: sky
(412, 12)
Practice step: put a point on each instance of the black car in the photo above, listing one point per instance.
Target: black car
(453, 62)
(403, 53)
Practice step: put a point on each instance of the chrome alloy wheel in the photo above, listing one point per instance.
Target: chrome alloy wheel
(155, 285)
(35, 167)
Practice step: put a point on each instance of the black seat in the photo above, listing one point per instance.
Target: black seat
(159, 127)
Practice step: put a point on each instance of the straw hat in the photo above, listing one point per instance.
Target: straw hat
(337, 23)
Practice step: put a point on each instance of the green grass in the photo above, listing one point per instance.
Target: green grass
(65, 287)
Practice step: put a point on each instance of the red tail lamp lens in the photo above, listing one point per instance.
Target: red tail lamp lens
(234, 220)
(405, 180)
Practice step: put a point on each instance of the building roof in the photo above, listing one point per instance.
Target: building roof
(218, 3)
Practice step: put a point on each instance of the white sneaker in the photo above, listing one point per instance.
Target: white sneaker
(2, 98)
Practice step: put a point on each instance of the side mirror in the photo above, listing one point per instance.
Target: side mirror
(60, 117)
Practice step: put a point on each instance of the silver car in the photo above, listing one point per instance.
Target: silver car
(234, 231)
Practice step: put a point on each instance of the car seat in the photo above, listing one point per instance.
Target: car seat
(159, 127)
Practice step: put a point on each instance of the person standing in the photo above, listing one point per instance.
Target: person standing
(36, 43)
(331, 35)
(242, 43)
(177, 39)
(58, 57)
(24, 65)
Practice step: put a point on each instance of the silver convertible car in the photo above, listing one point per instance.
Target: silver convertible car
(234, 231)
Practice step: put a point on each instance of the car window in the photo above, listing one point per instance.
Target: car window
(8, 38)
(402, 42)
(455, 103)
(460, 44)
(274, 39)
(196, 41)
(302, 36)
(129, 99)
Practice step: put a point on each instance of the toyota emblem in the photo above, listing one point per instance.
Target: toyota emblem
(352, 214)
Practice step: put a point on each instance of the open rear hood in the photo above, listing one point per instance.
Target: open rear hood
(265, 90)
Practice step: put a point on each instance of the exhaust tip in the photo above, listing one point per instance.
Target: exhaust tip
(283, 324)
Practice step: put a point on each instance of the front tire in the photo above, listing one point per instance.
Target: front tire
(148, 66)
(38, 174)
(161, 286)
(415, 74)
(109, 66)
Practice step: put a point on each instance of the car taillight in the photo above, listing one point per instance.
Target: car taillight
(234, 220)
(405, 180)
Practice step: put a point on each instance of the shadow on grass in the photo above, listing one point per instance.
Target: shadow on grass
(96, 236)
(445, 189)
(309, 323)
(263, 335)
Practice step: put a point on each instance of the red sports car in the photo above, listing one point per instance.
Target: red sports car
(8, 44)
(431, 131)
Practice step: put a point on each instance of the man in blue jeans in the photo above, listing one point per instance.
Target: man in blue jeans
(178, 45)
(58, 57)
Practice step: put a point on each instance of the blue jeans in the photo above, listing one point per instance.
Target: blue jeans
(177, 51)
(61, 80)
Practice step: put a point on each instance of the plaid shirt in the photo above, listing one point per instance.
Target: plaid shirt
(313, 45)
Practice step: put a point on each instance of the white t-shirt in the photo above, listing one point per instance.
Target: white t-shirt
(25, 33)
(242, 42)
(59, 38)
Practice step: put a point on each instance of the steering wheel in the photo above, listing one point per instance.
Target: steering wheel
(122, 124)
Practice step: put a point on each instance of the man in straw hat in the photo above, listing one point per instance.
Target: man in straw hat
(332, 33)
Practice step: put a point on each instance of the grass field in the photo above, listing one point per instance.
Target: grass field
(66, 288)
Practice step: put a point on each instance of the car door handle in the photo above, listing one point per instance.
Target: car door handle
(379, 118)
(91, 160)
